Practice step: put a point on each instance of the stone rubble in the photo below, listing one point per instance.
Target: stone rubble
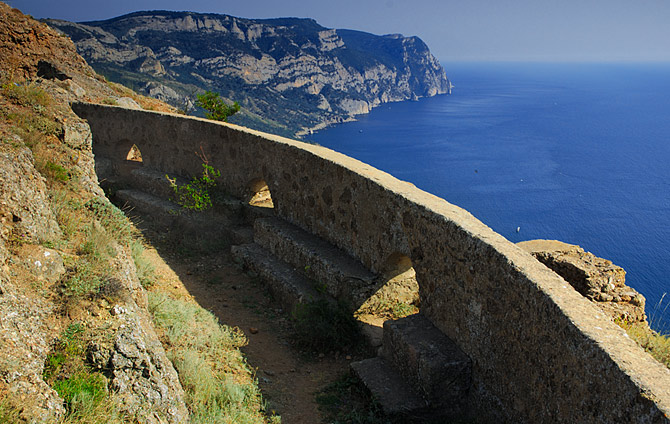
(596, 278)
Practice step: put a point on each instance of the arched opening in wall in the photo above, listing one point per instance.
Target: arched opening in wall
(400, 288)
(134, 154)
(259, 194)
(398, 294)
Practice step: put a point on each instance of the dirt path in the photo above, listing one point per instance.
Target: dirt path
(288, 378)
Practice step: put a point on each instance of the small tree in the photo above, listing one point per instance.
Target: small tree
(216, 108)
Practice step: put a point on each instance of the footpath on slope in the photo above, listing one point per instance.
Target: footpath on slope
(289, 379)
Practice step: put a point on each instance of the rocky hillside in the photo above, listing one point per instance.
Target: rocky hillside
(78, 343)
(290, 75)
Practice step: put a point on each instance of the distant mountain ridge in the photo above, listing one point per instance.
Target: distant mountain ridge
(289, 75)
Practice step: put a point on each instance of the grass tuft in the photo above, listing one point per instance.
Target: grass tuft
(660, 318)
(145, 269)
(212, 370)
(28, 95)
(656, 341)
(85, 391)
(112, 219)
(55, 172)
(10, 413)
(658, 345)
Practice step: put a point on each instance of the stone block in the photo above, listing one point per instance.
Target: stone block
(388, 387)
(341, 275)
(428, 360)
(286, 285)
(596, 278)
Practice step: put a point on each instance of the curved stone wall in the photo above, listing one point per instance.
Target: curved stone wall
(540, 351)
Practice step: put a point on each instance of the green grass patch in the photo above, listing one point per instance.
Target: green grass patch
(55, 172)
(84, 390)
(81, 388)
(402, 309)
(217, 381)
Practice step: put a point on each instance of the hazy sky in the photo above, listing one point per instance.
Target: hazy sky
(577, 30)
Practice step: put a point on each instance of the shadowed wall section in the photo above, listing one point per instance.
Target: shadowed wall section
(540, 351)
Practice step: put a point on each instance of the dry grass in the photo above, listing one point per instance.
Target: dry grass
(145, 269)
(217, 381)
(10, 412)
(656, 344)
(219, 385)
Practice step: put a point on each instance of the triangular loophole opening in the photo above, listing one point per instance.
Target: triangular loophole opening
(260, 194)
(134, 154)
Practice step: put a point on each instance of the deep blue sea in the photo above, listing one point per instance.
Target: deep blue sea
(574, 152)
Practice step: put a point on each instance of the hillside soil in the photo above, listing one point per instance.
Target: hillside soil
(289, 378)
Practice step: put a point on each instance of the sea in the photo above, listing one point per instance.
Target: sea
(575, 152)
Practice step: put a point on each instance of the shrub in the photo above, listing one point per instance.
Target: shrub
(85, 280)
(215, 106)
(196, 194)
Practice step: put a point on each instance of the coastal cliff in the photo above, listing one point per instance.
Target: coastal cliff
(290, 75)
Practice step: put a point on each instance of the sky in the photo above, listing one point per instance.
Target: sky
(463, 30)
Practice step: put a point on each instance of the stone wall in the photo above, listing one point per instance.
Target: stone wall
(541, 352)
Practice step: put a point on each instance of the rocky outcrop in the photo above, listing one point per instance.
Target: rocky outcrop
(41, 73)
(139, 370)
(595, 278)
(289, 74)
(24, 209)
(24, 344)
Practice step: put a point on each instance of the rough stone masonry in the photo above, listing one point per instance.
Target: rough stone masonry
(540, 351)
